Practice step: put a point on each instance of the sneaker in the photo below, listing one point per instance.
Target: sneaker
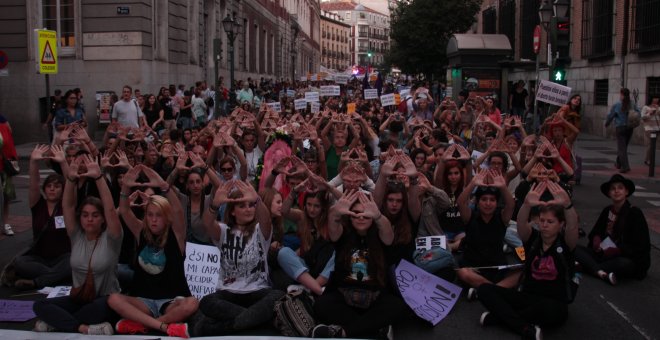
(611, 278)
(532, 332)
(178, 329)
(472, 294)
(8, 231)
(486, 319)
(126, 326)
(100, 329)
(296, 288)
(327, 331)
(41, 326)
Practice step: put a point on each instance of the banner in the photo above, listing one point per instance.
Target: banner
(370, 93)
(404, 92)
(387, 99)
(553, 93)
(341, 79)
(429, 296)
(312, 96)
(202, 269)
(330, 90)
(300, 104)
(276, 106)
(316, 107)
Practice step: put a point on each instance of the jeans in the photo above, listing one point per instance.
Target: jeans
(186, 123)
(226, 312)
(294, 266)
(518, 310)
(44, 272)
(620, 266)
(66, 315)
(623, 135)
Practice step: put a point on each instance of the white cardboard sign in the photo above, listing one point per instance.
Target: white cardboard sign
(387, 99)
(276, 106)
(300, 104)
(312, 96)
(370, 93)
(553, 93)
(316, 107)
(330, 90)
(202, 269)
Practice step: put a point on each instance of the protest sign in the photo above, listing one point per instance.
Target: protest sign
(350, 108)
(429, 242)
(300, 104)
(290, 93)
(312, 96)
(370, 93)
(16, 311)
(387, 99)
(429, 296)
(404, 92)
(316, 107)
(59, 291)
(552, 93)
(330, 90)
(303, 78)
(276, 106)
(202, 269)
(341, 79)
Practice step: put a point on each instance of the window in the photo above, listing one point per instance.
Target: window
(597, 28)
(59, 15)
(362, 16)
(601, 88)
(508, 21)
(529, 19)
(652, 86)
(348, 16)
(645, 25)
(489, 21)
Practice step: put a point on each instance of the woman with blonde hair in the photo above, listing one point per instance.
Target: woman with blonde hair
(159, 297)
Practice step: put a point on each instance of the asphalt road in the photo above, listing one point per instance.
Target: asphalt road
(600, 311)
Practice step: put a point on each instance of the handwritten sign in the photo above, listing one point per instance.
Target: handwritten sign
(276, 106)
(552, 93)
(350, 108)
(300, 104)
(429, 296)
(429, 242)
(370, 93)
(202, 269)
(387, 99)
(404, 92)
(341, 79)
(16, 311)
(311, 96)
(316, 107)
(330, 90)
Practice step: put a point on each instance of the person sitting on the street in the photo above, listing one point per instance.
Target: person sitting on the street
(619, 245)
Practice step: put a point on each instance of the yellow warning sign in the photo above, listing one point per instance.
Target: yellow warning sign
(47, 54)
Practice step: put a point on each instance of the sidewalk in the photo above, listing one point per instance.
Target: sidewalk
(598, 155)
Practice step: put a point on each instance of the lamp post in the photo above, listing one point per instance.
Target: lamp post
(231, 26)
(294, 50)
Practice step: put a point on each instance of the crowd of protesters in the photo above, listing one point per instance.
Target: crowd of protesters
(326, 201)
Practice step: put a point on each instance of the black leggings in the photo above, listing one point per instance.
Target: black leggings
(66, 315)
(622, 267)
(517, 310)
(331, 308)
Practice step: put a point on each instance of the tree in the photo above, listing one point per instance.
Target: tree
(420, 30)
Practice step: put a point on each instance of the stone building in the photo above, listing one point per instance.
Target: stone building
(334, 42)
(147, 44)
(613, 44)
(370, 31)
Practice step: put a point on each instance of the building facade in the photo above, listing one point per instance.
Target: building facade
(613, 44)
(147, 44)
(370, 31)
(334, 42)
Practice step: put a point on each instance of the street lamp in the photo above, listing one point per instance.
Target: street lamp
(560, 7)
(231, 27)
(545, 14)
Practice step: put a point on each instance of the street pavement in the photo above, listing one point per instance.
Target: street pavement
(627, 311)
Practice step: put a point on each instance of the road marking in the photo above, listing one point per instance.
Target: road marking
(639, 187)
(655, 203)
(625, 317)
(646, 194)
(45, 171)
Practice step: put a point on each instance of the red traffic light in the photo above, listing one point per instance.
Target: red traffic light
(563, 26)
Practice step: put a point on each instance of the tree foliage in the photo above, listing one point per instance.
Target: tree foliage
(420, 30)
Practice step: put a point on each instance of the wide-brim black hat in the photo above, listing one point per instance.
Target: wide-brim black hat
(605, 187)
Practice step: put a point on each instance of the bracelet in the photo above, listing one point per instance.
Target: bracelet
(569, 207)
(71, 180)
(123, 195)
(97, 178)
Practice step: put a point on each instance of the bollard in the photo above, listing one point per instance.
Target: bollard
(654, 139)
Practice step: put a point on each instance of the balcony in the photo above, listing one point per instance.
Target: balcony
(363, 34)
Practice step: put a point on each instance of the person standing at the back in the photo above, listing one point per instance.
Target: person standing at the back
(619, 114)
(126, 111)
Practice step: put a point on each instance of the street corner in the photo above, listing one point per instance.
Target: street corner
(638, 174)
(19, 224)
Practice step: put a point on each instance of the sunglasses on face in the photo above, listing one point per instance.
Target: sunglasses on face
(227, 169)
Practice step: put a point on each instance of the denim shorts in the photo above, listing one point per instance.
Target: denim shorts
(156, 306)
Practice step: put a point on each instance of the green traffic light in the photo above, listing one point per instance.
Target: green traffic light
(559, 76)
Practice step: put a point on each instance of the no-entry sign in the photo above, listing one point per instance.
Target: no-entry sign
(537, 39)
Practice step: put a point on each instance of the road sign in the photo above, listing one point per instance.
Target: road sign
(537, 39)
(47, 53)
(3, 60)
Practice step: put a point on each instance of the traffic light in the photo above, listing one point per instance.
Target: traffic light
(561, 38)
(558, 74)
(369, 54)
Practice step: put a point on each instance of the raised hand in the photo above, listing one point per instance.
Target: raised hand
(105, 159)
(138, 194)
(131, 176)
(249, 194)
(370, 208)
(122, 160)
(344, 204)
(93, 168)
(58, 153)
(280, 166)
(39, 152)
(560, 196)
(533, 197)
(181, 162)
(197, 161)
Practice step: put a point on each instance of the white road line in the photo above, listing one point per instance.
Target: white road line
(639, 187)
(625, 317)
(646, 194)
(655, 203)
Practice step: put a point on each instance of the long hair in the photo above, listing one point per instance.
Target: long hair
(400, 221)
(320, 223)
(96, 203)
(445, 176)
(625, 102)
(376, 268)
(162, 204)
(570, 104)
(268, 196)
(231, 219)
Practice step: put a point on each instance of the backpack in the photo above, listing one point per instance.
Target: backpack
(294, 314)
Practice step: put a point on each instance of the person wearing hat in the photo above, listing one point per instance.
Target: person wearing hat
(619, 245)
